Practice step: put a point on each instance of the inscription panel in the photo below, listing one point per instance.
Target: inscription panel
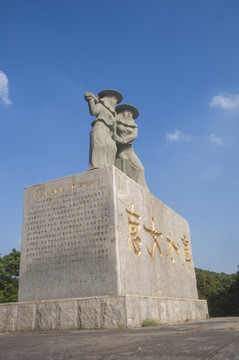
(155, 241)
(59, 223)
(66, 247)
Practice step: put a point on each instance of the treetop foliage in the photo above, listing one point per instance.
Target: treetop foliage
(220, 290)
(9, 275)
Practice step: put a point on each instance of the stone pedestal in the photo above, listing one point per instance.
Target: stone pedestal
(98, 250)
(99, 312)
(99, 233)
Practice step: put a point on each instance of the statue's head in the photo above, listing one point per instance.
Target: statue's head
(127, 111)
(110, 97)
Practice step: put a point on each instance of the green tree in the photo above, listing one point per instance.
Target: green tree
(9, 276)
(220, 290)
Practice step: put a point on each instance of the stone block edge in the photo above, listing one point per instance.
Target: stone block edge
(99, 312)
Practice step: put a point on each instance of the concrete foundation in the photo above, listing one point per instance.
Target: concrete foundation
(98, 312)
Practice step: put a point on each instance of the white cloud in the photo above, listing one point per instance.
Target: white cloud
(4, 93)
(227, 101)
(216, 139)
(178, 135)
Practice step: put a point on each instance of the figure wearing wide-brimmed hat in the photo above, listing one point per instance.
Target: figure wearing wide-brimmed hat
(126, 133)
(102, 147)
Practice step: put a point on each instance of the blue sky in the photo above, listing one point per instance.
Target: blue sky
(176, 61)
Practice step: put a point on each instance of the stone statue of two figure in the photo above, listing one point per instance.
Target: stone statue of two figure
(112, 135)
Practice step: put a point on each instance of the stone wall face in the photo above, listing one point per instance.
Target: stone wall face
(159, 262)
(98, 313)
(68, 247)
(99, 233)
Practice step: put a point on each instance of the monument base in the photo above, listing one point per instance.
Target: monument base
(100, 312)
(100, 233)
(100, 251)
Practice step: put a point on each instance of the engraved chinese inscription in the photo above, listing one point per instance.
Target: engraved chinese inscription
(67, 226)
(134, 228)
(154, 235)
(137, 241)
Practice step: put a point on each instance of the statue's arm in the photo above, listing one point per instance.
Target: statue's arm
(131, 137)
(93, 102)
(94, 108)
(126, 139)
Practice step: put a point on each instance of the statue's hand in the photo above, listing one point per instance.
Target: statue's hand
(89, 96)
(118, 139)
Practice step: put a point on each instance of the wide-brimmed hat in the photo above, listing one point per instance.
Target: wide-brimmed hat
(111, 92)
(129, 107)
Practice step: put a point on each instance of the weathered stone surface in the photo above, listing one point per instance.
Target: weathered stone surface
(90, 316)
(163, 310)
(68, 315)
(113, 312)
(163, 317)
(103, 312)
(26, 316)
(8, 317)
(134, 317)
(67, 246)
(79, 240)
(48, 316)
(56, 315)
(98, 312)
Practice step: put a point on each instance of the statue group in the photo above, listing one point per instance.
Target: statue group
(112, 135)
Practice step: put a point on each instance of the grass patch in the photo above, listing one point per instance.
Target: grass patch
(121, 325)
(150, 322)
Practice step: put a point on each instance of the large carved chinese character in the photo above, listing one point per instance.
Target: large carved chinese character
(154, 233)
(134, 228)
(186, 252)
(172, 247)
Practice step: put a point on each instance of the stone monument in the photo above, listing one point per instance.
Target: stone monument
(98, 249)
